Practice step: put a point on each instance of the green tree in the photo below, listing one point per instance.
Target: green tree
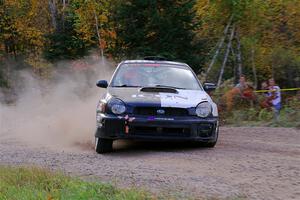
(65, 42)
(266, 32)
(92, 24)
(160, 27)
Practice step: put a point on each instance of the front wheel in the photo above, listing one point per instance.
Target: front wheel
(211, 144)
(103, 145)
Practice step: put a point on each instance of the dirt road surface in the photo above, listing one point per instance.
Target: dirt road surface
(252, 163)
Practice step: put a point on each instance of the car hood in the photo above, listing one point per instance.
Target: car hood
(181, 99)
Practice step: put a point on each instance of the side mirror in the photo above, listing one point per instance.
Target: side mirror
(208, 87)
(102, 84)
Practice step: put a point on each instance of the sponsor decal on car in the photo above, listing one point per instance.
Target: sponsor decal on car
(152, 118)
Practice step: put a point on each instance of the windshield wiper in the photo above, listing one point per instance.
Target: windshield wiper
(124, 85)
(167, 86)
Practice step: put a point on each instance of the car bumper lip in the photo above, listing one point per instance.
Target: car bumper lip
(157, 128)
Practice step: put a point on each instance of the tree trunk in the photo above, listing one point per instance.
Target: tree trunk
(99, 37)
(254, 68)
(219, 46)
(63, 14)
(234, 70)
(239, 55)
(52, 8)
(226, 56)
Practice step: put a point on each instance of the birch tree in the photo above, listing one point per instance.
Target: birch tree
(226, 56)
(219, 46)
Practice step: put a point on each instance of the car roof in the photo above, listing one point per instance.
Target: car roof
(178, 64)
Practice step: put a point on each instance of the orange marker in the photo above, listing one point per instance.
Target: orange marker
(126, 129)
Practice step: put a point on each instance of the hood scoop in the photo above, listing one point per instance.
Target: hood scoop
(159, 89)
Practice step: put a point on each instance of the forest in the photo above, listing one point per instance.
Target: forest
(219, 39)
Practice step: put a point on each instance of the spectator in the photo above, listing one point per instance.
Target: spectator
(242, 85)
(265, 86)
(242, 90)
(275, 97)
(266, 103)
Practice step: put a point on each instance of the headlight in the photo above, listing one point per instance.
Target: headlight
(116, 106)
(203, 109)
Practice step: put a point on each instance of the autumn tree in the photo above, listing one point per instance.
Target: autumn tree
(64, 42)
(262, 29)
(92, 24)
(220, 39)
(22, 28)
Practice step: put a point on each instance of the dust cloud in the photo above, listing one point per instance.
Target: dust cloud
(59, 112)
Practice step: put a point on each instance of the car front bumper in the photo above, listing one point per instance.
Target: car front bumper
(157, 128)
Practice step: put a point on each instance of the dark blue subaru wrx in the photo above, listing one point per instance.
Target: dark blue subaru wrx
(155, 100)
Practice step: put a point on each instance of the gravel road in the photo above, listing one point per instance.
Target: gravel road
(252, 163)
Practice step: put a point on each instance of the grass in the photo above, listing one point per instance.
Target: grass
(27, 183)
(33, 183)
(254, 117)
(243, 113)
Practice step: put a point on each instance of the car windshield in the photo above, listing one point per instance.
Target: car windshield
(154, 75)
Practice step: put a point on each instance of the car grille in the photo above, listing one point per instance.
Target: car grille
(160, 131)
(153, 111)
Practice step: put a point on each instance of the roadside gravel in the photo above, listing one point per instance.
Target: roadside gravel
(252, 163)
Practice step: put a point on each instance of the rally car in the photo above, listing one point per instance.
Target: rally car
(155, 99)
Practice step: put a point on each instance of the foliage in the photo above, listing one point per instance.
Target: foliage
(65, 42)
(255, 116)
(35, 183)
(87, 12)
(34, 32)
(247, 113)
(22, 25)
(3, 81)
(265, 28)
(158, 27)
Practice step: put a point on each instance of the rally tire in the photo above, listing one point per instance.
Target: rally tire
(209, 144)
(103, 145)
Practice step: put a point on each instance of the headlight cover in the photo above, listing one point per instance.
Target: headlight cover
(116, 106)
(203, 109)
